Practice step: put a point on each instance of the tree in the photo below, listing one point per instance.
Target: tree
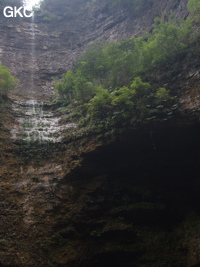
(7, 81)
(65, 88)
(99, 105)
(83, 88)
(194, 6)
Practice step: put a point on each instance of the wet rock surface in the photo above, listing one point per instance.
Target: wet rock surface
(132, 201)
(57, 45)
(91, 201)
(35, 122)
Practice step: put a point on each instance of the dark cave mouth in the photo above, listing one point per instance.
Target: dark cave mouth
(163, 165)
(150, 183)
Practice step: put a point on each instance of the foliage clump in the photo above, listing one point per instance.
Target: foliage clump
(194, 6)
(129, 105)
(7, 82)
(108, 84)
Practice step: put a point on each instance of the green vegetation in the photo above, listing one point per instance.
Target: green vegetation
(194, 9)
(194, 6)
(57, 10)
(7, 82)
(111, 85)
(37, 151)
(128, 106)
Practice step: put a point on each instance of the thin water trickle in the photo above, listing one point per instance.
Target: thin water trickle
(32, 52)
(35, 124)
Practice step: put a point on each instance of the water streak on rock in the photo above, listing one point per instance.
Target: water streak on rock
(37, 124)
(32, 52)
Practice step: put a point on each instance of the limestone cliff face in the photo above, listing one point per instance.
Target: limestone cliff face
(91, 201)
(38, 52)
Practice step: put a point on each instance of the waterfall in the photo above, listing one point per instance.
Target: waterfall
(37, 123)
(32, 53)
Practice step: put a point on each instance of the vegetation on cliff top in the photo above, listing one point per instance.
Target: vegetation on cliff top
(110, 83)
(59, 4)
(57, 10)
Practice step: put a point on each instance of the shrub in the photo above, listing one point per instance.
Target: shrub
(194, 6)
(99, 105)
(7, 81)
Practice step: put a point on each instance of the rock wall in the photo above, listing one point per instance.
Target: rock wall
(91, 201)
(37, 53)
(133, 202)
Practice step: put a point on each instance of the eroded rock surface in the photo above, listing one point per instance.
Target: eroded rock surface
(91, 201)
(56, 45)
